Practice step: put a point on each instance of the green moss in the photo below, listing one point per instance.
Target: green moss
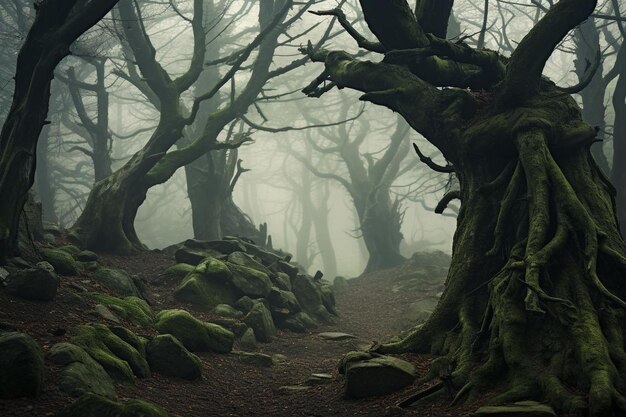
(62, 261)
(117, 281)
(169, 357)
(250, 281)
(194, 334)
(208, 285)
(180, 270)
(117, 357)
(91, 405)
(130, 308)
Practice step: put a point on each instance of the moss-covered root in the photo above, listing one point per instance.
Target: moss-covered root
(91, 405)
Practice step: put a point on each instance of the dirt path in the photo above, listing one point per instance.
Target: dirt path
(230, 388)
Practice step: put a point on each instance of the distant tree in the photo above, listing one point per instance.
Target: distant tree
(534, 302)
(56, 26)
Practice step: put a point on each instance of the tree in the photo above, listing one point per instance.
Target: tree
(56, 26)
(534, 295)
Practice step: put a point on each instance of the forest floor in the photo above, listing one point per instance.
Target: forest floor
(369, 309)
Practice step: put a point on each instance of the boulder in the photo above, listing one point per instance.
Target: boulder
(118, 281)
(283, 303)
(243, 259)
(300, 323)
(340, 285)
(194, 334)
(309, 297)
(250, 281)
(248, 340)
(282, 281)
(225, 310)
(21, 366)
(133, 309)
(71, 249)
(33, 284)
(244, 304)
(81, 373)
(378, 375)
(336, 336)
(117, 357)
(287, 268)
(194, 256)
(167, 356)
(260, 320)
(104, 312)
(209, 285)
(91, 405)
(256, 359)
(236, 326)
(519, 409)
(138, 342)
(177, 272)
(86, 256)
(319, 379)
(62, 261)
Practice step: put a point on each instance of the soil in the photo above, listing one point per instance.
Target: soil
(369, 310)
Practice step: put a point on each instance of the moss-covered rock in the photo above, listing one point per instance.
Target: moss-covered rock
(260, 320)
(310, 297)
(180, 270)
(378, 375)
(236, 326)
(117, 357)
(300, 323)
(86, 256)
(91, 405)
(194, 334)
(282, 281)
(340, 285)
(167, 356)
(133, 309)
(81, 373)
(248, 340)
(21, 366)
(209, 285)
(244, 304)
(250, 281)
(118, 281)
(256, 359)
(139, 343)
(71, 249)
(225, 310)
(37, 284)
(62, 261)
(243, 259)
(282, 303)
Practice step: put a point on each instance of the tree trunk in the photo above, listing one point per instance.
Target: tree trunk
(322, 233)
(618, 174)
(43, 184)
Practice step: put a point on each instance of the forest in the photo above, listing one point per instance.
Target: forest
(312, 208)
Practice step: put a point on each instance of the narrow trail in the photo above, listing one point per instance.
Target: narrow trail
(369, 309)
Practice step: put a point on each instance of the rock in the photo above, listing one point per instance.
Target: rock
(62, 261)
(519, 409)
(139, 343)
(71, 249)
(117, 357)
(33, 284)
(106, 314)
(300, 323)
(195, 251)
(194, 256)
(279, 359)
(117, 281)
(225, 310)
(379, 375)
(282, 281)
(91, 405)
(81, 373)
(340, 285)
(283, 303)
(234, 325)
(177, 272)
(46, 266)
(319, 379)
(309, 297)
(86, 256)
(292, 389)
(92, 266)
(21, 366)
(167, 356)
(245, 304)
(336, 336)
(352, 357)
(250, 281)
(248, 340)
(287, 268)
(195, 335)
(328, 298)
(131, 308)
(3, 274)
(256, 359)
(243, 259)
(260, 320)
(209, 285)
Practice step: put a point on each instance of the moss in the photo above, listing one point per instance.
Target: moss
(117, 281)
(194, 334)
(169, 357)
(130, 308)
(180, 270)
(62, 261)
(208, 285)
(91, 405)
(250, 281)
(117, 357)
(131, 338)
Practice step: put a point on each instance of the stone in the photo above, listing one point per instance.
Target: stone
(309, 297)
(248, 340)
(86, 256)
(91, 266)
(21, 366)
(292, 389)
(62, 261)
(236, 326)
(71, 249)
(167, 356)
(92, 405)
(279, 359)
(133, 309)
(244, 304)
(194, 334)
(194, 256)
(260, 320)
(3, 274)
(340, 285)
(283, 303)
(106, 314)
(225, 310)
(319, 379)
(209, 285)
(118, 281)
(178, 272)
(299, 323)
(282, 281)
(250, 281)
(243, 259)
(519, 409)
(46, 266)
(379, 375)
(81, 373)
(120, 360)
(336, 336)
(287, 268)
(256, 359)
(33, 284)
(137, 342)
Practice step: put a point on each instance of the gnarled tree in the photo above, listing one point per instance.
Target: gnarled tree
(534, 296)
